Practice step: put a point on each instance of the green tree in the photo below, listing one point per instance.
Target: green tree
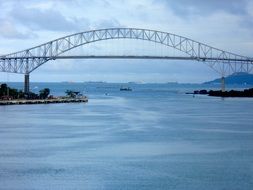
(21, 94)
(44, 93)
(13, 93)
(3, 90)
(71, 93)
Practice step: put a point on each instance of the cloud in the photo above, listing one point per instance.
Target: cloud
(107, 23)
(48, 19)
(42, 16)
(8, 30)
(192, 9)
(185, 7)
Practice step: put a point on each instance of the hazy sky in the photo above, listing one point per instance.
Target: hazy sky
(226, 24)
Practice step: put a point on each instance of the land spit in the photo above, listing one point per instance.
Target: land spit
(232, 93)
(43, 101)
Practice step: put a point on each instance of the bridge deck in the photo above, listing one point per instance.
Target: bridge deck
(129, 57)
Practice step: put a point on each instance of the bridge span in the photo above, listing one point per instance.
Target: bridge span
(26, 61)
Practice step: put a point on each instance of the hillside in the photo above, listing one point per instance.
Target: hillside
(236, 78)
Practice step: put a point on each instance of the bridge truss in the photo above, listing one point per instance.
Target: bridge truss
(26, 61)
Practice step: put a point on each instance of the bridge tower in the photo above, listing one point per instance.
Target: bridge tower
(27, 84)
(222, 84)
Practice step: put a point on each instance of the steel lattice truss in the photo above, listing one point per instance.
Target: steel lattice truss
(221, 61)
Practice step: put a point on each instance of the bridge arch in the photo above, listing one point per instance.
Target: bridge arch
(30, 59)
(26, 61)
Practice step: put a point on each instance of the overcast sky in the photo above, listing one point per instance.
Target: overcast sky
(226, 24)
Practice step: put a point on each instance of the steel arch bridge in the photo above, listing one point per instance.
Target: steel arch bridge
(26, 61)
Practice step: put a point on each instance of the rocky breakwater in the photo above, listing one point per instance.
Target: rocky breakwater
(44, 101)
(231, 93)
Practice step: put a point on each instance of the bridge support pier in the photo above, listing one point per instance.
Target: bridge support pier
(223, 84)
(26, 84)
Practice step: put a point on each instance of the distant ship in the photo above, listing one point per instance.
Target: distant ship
(125, 89)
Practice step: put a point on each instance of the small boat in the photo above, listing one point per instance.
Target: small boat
(125, 89)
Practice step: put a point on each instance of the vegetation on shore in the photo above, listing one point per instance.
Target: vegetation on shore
(231, 93)
(12, 96)
(73, 94)
(7, 93)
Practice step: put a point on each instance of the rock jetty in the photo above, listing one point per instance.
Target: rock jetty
(43, 101)
(231, 93)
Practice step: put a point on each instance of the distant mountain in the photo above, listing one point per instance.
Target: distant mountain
(236, 78)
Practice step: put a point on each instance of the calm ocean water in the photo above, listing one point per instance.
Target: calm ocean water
(155, 137)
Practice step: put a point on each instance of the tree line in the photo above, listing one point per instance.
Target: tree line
(7, 92)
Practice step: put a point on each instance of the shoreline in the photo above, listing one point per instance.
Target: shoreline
(246, 93)
(43, 101)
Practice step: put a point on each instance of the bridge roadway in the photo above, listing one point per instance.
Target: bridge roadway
(136, 57)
